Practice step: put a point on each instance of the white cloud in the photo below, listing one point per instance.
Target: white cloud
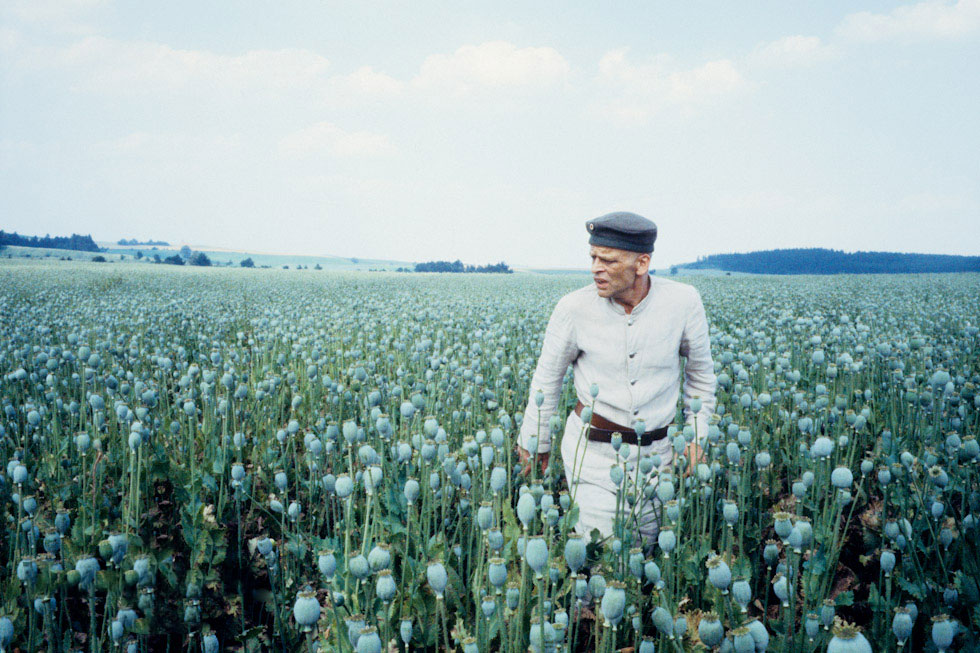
(493, 64)
(60, 15)
(326, 137)
(645, 88)
(933, 19)
(792, 51)
(365, 82)
(107, 64)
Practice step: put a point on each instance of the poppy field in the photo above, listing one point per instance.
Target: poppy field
(244, 460)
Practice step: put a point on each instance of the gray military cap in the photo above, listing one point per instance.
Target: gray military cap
(622, 230)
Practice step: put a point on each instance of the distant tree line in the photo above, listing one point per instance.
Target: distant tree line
(149, 243)
(457, 266)
(75, 241)
(186, 256)
(831, 261)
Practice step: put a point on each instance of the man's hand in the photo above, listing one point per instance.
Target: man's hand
(694, 456)
(525, 457)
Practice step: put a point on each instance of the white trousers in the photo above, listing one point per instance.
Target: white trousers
(587, 466)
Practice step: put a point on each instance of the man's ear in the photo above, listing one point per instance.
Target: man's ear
(642, 261)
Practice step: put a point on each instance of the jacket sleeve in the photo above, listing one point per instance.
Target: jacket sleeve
(558, 351)
(699, 371)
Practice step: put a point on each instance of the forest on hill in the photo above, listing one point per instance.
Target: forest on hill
(831, 261)
(75, 241)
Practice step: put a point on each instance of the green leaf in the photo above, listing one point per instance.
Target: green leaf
(874, 599)
(393, 525)
(208, 481)
(844, 599)
(912, 588)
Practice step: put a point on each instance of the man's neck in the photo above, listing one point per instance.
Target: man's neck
(636, 294)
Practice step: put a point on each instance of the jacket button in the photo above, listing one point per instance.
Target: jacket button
(633, 382)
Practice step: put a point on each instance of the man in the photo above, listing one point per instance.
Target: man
(625, 335)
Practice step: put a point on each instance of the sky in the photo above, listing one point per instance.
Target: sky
(493, 131)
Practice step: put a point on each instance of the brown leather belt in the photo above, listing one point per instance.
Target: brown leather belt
(601, 430)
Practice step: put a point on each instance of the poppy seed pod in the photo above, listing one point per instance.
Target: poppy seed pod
(710, 630)
(799, 489)
(616, 475)
(613, 603)
(52, 542)
(435, 573)
(62, 521)
(358, 566)
(781, 588)
(379, 557)
(405, 631)
(495, 538)
(575, 552)
(811, 625)
(827, 612)
(512, 595)
(488, 607)
(635, 563)
(848, 639)
(680, 626)
(526, 509)
(327, 564)
(719, 574)
(733, 453)
(541, 636)
(306, 610)
(795, 539)
(597, 585)
(27, 571)
(782, 525)
(729, 512)
(411, 491)
(742, 593)
(536, 554)
(343, 486)
(760, 636)
(651, 571)
(384, 587)
(667, 540)
(355, 624)
(902, 625)
(497, 573)
(484, 515)
(86, 568)
(842, 478)
(822, 448)
(887, 562)
(663, 621)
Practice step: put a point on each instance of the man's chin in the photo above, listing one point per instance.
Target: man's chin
(602, 291)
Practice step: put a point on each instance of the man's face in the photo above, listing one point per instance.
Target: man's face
(614, 270)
